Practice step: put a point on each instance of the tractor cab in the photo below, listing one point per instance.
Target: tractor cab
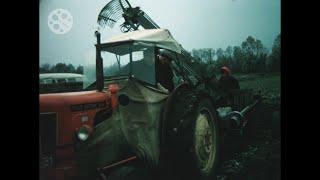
(137, 56)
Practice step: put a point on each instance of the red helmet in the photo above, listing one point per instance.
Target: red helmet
(225, 69)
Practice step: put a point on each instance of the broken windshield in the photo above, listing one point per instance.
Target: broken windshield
(131, 61)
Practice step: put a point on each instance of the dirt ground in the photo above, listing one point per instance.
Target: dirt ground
(256, 157)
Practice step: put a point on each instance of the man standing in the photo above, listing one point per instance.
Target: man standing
(164, 74)
(226, 84)
(227, 81)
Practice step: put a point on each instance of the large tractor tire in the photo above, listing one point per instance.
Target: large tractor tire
(193, 136)
(206, 142)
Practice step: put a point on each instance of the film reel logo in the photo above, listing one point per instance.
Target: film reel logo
(60, 21)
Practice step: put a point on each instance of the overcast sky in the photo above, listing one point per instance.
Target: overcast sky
(194, 23)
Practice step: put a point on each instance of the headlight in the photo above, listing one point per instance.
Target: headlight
(84, 133)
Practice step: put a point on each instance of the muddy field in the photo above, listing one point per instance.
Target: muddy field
(255, 157)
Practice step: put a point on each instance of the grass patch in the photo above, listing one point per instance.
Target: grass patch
(268, 84)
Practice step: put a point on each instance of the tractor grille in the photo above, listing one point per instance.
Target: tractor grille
(47, 138)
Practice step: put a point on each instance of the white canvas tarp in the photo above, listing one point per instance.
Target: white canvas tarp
(159, 37)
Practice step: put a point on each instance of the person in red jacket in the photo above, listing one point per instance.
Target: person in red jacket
(227, 81)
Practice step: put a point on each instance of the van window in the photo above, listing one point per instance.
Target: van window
(61, 80)
(71, 79)
(48, 81)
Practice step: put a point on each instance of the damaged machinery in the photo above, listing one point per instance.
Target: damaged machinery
(179, 130)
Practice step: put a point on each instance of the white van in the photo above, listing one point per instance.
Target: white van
(60, 82)
(51, 78)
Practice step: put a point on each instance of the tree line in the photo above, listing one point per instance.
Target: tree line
(250, 57)
(60, 68)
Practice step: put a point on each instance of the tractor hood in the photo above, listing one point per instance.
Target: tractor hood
(161, 38)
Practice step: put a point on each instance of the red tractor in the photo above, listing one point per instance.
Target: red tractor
(132, 116)
(65, 119)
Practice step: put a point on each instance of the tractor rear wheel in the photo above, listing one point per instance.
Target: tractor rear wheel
(205, 144)
(195, 137)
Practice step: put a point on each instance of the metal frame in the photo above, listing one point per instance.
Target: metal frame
(99, 60)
